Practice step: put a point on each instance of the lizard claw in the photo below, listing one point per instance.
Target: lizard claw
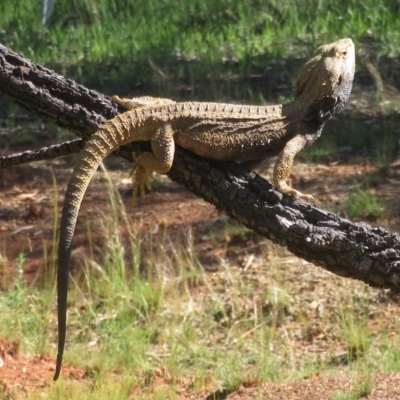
(141, 181)
(284, 188)
(301, 196)
(307, 197)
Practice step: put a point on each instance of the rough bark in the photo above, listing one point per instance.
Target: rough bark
(45, 153)
(352, 250)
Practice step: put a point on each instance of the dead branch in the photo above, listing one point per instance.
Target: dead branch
(45, 153)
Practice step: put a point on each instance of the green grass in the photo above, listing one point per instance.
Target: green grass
(247, 51)
(362, 386)
(365, 204)
(151, 43)
(137, 323)
(148, 312)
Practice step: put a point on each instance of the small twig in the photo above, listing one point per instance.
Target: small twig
(45, 153)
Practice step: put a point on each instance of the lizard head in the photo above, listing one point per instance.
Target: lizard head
(329, 74)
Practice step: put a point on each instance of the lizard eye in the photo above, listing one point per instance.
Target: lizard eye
(341, 54)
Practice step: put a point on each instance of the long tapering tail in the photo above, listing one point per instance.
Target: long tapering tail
(81, 176)
(102, 143)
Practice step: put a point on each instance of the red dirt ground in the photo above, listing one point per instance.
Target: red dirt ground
(20, 374)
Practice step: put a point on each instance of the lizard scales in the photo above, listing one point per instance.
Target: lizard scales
(224, 132)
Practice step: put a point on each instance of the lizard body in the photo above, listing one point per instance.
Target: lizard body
(223, 132)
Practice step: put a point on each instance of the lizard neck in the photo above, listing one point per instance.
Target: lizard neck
(296, 109)
(303, 102)
(309, 106)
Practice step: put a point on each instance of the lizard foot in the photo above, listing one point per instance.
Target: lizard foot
(126, 103)
(307, 197)
(284, 188)
(298, 195)
(141, 181)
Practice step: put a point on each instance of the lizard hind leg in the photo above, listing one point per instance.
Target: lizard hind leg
(160, 160)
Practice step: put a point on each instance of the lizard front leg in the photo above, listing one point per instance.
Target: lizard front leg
(283, 167)
(160, 160)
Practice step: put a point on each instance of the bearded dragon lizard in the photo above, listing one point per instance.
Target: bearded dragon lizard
(223, 132)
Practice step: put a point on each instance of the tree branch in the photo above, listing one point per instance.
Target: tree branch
(352, 250)
(45, 153)
(51, 96)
